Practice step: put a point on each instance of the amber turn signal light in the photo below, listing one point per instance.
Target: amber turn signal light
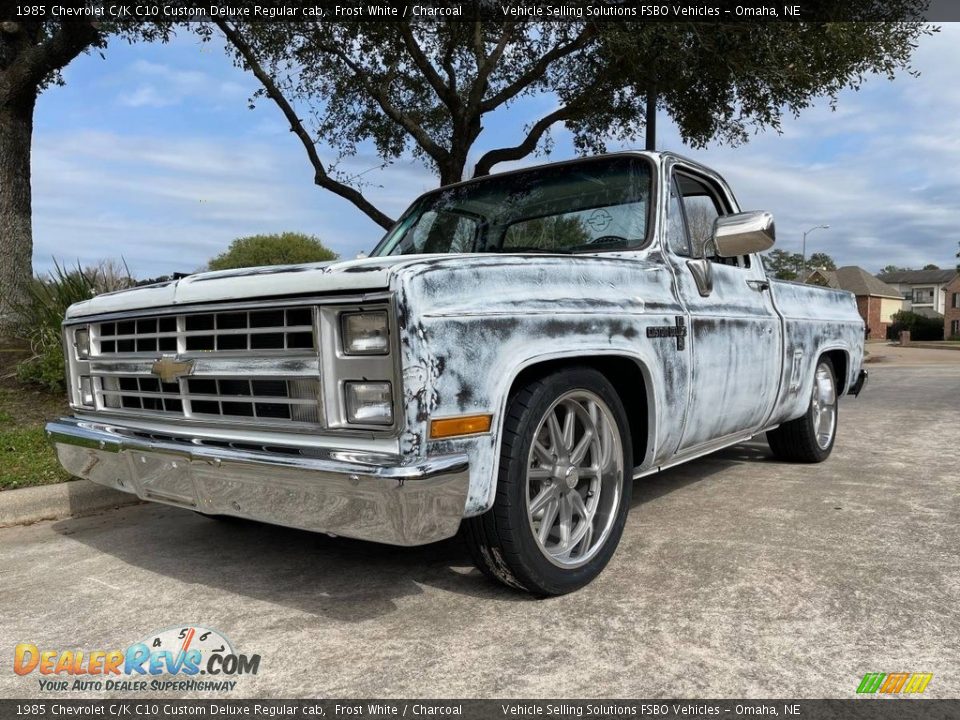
(463, 425)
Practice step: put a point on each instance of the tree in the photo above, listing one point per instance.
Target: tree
(32, 54)
(556, 231)
(783, 265)
(821, 261)
(286, 248)
(894, 269)
(931, 266)
(427, 87)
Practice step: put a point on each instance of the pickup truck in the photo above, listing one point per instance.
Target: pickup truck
(515, 352)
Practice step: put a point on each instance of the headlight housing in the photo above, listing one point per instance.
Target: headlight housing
(365, 333)
(369, 403)
(81, 342)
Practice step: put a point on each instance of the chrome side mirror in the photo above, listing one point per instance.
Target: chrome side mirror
(743, 233)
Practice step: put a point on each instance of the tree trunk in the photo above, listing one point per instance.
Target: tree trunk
(16, 237)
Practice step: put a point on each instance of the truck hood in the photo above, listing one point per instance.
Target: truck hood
(249, 283)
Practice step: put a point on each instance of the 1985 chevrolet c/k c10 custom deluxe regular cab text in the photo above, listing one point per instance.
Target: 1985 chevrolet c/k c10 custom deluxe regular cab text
(517, 350)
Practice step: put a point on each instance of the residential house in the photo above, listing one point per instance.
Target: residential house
(876, 301)
(924, 291)
(951, 314)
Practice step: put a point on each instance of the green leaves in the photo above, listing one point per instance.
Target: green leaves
(424, 88)
(281, 249)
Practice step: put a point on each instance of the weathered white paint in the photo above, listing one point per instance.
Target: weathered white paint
(470, 324)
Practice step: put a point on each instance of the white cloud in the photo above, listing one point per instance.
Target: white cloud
(882, 169)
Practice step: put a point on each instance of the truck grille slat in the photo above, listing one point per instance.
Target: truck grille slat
(276, 329)
(290, 400)
(127, 348)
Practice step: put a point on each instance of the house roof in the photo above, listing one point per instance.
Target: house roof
(858, 281)
(919, 277)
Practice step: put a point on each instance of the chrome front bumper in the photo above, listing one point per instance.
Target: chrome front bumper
(356, 494)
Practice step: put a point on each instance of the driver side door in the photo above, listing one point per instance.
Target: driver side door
(734, 330)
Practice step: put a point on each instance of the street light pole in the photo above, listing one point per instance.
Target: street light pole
(803, 273)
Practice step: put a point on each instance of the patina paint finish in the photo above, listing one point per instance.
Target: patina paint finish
(713, 364)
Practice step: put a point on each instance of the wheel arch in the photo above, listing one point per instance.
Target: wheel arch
(840, 358)
(622, 370)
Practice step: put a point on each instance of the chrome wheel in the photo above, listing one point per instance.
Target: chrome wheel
(824, 406)
(574, 478)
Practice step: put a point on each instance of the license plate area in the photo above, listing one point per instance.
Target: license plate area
(165, 479)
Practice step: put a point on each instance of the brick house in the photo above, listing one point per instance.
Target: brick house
(924, 291)
(876, 301)
(951, 313)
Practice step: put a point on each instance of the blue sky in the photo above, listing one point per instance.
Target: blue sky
(153, 155)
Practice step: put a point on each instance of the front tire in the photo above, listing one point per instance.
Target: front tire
(563, 489)
(810, 438)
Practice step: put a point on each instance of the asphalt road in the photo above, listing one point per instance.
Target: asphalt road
(737, 576)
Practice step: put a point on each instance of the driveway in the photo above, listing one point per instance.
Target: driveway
(737, 576)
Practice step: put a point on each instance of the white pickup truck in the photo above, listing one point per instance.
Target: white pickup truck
(515, 352)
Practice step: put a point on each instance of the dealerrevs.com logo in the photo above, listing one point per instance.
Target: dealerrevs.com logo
(190, 658)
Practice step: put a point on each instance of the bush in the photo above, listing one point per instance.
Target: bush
(287, 248)
(920, 326)
(39, 318)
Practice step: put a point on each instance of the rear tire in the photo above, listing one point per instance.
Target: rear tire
(810, 438)
(563, 488)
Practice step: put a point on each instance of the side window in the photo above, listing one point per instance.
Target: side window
(701, 208)
(676, 229)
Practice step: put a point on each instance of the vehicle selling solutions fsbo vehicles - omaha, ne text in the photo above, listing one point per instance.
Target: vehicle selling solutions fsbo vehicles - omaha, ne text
(517, 350)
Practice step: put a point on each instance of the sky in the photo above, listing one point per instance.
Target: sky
(152, 154)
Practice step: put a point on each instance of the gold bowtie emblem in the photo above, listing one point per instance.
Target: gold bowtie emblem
(169, 369)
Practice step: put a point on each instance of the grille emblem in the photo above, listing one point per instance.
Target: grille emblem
(169, 369)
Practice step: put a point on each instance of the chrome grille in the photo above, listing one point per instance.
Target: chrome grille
(243, 330)
(227, 398)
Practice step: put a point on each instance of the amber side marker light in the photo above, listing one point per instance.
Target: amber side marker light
(463, 425)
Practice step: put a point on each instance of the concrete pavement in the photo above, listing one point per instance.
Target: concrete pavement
(737, 576)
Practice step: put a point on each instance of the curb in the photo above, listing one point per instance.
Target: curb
(74, 498)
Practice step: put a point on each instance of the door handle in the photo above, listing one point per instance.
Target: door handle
(759, 285)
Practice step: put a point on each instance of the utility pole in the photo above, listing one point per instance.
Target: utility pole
(651, 128)
(803, 272)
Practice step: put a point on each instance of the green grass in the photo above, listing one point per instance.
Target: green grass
(26, 458)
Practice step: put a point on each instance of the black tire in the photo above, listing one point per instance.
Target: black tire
(797, 440)
(502, 541)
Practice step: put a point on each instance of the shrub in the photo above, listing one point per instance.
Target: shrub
(286, 248)
(920, 326)
(39, 318)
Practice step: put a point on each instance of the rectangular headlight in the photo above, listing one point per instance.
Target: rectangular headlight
(86, 391)
(369, 403)
(364, 333)
(81, 341)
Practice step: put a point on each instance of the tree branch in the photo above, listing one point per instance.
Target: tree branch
(447, 94)
(378, 93)
(38, 61)
(486, 65)
(321, 177)
(537, 70)
(529, 144)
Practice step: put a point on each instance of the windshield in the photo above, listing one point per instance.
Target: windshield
(586, 206)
